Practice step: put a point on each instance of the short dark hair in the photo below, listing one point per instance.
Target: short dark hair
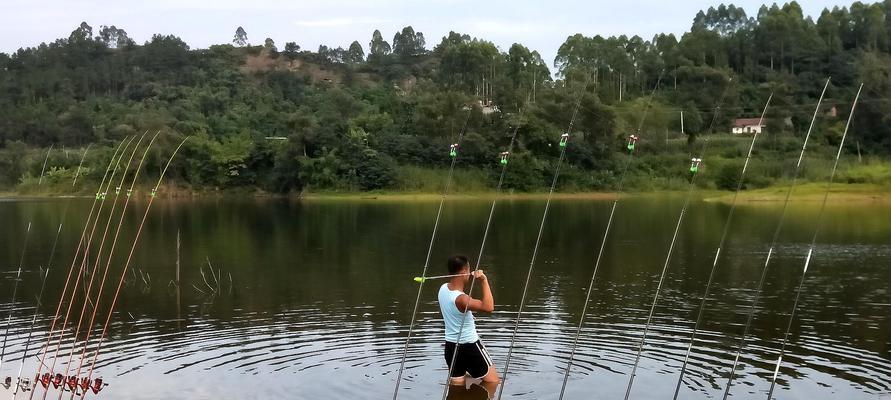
(456, 262)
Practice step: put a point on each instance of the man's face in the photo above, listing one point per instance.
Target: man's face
(466, 271)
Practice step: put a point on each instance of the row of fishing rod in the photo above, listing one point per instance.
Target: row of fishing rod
(694, 169)
(68, 355)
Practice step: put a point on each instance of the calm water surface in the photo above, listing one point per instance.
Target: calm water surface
(321, 296)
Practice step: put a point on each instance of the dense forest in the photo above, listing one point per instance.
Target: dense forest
(380, 116)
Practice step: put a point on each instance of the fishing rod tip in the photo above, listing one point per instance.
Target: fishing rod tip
(419, 279)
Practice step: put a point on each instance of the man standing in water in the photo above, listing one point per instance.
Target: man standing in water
(472, 358)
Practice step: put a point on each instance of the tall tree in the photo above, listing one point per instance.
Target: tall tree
(355, 54)
(240, 38)
(408, 43)
(378, 48)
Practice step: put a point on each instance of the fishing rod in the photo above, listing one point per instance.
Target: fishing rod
(810, 251)
(630, 146)
(694, 172)
(98, 258)
(564, 141)
(726, 230)
(111, 253)
(45, 160)
(84, 244)
(504, 158)
(15, 288)
(421, 279)
(453, 154)
(773, 243)
(96, 199)
(77, 173)
(97, 384)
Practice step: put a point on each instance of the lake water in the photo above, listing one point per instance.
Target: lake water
(321, 296)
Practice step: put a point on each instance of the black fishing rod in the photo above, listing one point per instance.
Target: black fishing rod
(810, 251)
(564, 141)
(630, 147)
(694, 172)
(453, 154)
(504, 158)
(726, 230)
(770, 251)
(15, 288)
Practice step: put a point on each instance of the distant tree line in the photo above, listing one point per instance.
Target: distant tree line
(353, 119)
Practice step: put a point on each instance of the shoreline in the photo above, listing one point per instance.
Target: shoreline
(808, 192)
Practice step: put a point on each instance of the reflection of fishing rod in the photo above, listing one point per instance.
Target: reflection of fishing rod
(504, 158)
(810, 251)
(770, 251)
(15, 288)
(632, 142)
(422, 279)
(711, 275)
(564, 140)
(453, 154)
(117, 292)
(694, 173)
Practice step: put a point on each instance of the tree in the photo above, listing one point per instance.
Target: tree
(240, 38)
(408, 43)
(83, 33)
(291, 50)
(355, 54)
(269, 45)
(114, 38)
(378, 48)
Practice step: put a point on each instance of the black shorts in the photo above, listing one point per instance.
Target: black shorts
(473, 359)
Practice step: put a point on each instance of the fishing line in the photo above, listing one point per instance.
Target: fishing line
(694, 170)
(453, 153)
(564, 139)
(98, 257)
(632, 141)
(101, 195)
(77, 251)
(810, 251)
(111, 252)
(711, 276)
(117, 293)
(770, 251)
(504, 160)
(15, 288)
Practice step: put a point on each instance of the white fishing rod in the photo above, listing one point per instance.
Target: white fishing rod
(15, 288)
(773, 243)
(711, 275)
(564, 140)
(810, 250)
(630, 146)
(453, 154)
(504, 160)
(694, 171)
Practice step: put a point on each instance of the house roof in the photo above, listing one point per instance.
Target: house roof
(743, 122)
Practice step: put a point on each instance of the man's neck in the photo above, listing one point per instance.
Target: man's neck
(456, 284)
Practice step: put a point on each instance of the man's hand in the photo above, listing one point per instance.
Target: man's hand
(478, 274)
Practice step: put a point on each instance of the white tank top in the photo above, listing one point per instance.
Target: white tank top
(453, 316)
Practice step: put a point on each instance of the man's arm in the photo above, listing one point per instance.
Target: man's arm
(485, 304)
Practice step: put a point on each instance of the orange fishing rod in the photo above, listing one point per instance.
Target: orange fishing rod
(124, 271)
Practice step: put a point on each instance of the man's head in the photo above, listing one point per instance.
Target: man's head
(458, 264)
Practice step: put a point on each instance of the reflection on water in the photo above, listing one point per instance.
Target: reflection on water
(322, 294)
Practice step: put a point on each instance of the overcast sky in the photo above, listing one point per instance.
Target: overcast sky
(541, 26)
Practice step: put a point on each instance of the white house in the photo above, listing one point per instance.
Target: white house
(747, 125)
